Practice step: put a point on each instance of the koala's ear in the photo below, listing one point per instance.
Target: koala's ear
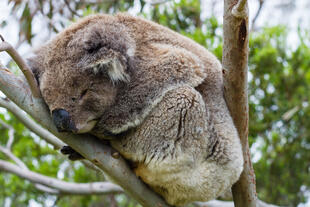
(114, 68)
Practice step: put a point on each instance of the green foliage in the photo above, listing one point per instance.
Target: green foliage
(279, 94)
(280, 85)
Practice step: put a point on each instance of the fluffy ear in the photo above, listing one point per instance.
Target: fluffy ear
(113, 67)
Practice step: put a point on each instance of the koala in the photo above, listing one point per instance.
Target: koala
(156, 95)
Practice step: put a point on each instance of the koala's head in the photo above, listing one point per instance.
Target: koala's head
(81, 69)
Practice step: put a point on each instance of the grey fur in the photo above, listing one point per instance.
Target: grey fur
(159, 91)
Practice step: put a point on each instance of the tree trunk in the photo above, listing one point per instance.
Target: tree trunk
(235, 65)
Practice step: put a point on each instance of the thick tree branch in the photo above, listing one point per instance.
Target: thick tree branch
(62, 186)
(17, 90)
(5, 46)
(235, 65)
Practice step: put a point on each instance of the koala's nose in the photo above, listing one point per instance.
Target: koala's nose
(62, 120)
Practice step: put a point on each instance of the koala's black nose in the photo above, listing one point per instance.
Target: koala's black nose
(62, 120)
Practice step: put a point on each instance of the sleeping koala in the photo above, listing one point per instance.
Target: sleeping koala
(156, 95)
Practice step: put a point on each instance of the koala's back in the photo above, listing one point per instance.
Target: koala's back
(152, 40)
(159, 59)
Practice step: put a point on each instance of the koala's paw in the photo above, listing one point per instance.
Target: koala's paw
(73, 155)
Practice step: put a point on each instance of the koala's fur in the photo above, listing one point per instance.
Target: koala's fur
(158, 97)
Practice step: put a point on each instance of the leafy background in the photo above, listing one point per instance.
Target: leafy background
(279, 93)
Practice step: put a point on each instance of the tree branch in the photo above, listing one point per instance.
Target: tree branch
(37, 129)
(46, 189)
(261, 3)
(62, 186)
(89, 146)
(20, 163)
(5, 46)
(235, 65)
(7, 151)
(30, 124)
(71, 10)
(11, 134)
(156, 2)
(10, 155)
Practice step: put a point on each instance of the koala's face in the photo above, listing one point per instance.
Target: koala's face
(79, 73)
(77, 101)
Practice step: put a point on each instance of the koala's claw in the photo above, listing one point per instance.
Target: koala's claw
(73, 155)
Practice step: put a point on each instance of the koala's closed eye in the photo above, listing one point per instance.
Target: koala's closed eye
(83, 93)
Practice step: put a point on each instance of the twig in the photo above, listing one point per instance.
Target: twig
(240, 10)
(11, 134)
(10, 155)
(290, 113)
(21, 164)
(156, 2)
(71, 10)
(261, 3)
(113, 202)
(46, 189)
(5, 46)
(62, 186)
